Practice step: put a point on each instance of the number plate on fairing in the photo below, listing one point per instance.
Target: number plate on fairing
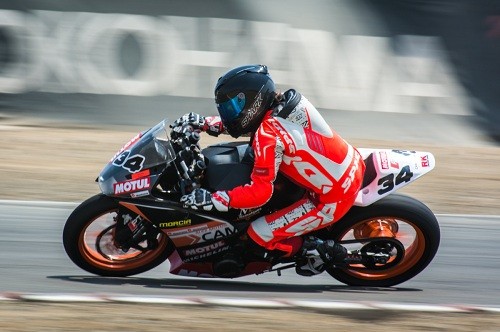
(394, 170)
(134, 170)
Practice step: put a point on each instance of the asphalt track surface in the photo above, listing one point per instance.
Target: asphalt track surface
(32, 260)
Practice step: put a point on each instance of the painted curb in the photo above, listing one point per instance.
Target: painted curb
(333, 306)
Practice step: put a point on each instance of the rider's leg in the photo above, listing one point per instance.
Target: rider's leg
(275, 231)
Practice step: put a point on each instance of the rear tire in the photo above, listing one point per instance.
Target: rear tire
(417, 229)
(90, 245)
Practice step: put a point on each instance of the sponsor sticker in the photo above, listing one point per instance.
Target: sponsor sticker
(262, 171)
(384, 162)
(131, 186)
(204, 249)
(252, 111)
(425, 161)
(128, 145)
(190, 235)
(139, 194)
(247, 213)
(394, 164)
(175, 223)
(286, 137)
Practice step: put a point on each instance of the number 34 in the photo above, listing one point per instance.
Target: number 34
(387, 182)
(131, 163)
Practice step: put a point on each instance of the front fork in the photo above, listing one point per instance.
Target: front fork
(131, 230)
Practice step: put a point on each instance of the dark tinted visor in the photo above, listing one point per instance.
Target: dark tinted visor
(230, 109)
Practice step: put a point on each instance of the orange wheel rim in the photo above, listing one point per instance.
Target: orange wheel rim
(407, 233)
(108, 256)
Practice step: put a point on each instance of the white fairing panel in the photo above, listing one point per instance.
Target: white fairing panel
(390, 170)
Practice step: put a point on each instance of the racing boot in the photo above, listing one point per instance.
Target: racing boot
(318, 254)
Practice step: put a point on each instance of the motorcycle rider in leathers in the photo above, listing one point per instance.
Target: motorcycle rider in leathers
(288, 135)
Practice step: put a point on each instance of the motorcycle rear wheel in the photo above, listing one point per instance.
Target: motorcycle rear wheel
(400, 217)
(88, 239)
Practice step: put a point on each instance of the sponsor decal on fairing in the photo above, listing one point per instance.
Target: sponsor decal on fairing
(384, 161)
(131, 186)
(190, 235)
(139, 194)
(128, 145)
(425, 161)
(205, 249)
(175, 223)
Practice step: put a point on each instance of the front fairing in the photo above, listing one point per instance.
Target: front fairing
(135, 169)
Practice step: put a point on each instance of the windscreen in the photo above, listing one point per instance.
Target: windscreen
(138, 164)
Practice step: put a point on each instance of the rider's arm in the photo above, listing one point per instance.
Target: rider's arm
(268, 151)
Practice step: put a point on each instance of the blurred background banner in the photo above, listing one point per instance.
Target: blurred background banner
(397, 56)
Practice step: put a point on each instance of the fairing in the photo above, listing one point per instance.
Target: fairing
(390, 170)
(134, 169)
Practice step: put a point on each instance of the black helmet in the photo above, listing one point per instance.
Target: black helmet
(243, 95)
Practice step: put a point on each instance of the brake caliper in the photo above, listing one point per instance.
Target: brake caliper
(130, 232)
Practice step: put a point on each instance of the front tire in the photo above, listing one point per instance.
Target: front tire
(407, 220)
(88, 239)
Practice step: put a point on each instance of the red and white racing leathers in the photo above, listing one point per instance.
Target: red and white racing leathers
(305, 149)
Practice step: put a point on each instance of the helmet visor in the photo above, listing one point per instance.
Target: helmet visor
(230, 109)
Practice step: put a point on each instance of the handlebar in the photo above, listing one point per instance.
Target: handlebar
(190, 162)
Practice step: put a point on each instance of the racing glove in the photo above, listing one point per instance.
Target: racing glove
(213, 126)
(187, 123)
(201, 199)
(193, 119)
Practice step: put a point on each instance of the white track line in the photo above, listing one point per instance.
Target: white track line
(332, 306)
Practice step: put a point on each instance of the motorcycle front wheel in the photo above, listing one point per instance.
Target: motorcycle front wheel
(89, 241)
(400, 227)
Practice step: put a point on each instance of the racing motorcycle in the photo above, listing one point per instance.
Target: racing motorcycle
(137, 222)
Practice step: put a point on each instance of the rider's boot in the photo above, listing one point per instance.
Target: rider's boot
(284, 250)
(317, 254)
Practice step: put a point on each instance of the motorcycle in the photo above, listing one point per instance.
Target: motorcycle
(137, 222)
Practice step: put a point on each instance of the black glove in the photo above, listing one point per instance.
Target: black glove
(203, 199)
(198, 199)
(194, 120)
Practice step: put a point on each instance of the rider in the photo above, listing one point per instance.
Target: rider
(288, 135)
